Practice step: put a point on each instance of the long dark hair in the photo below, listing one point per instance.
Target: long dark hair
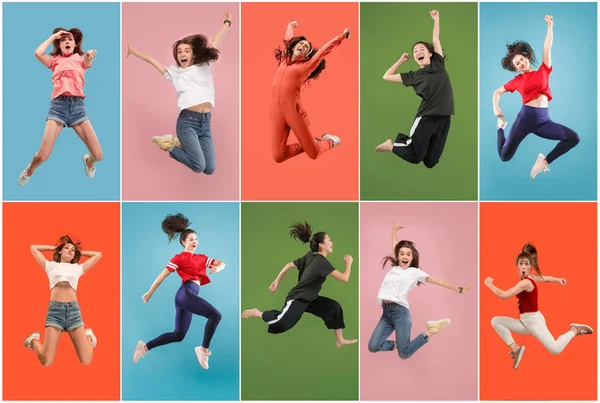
(174, 224)
(518, 48)
(302, 231)
(77, 37)
(287, 52)
(429, 47)
(62, 242)
(202, 51)
(529, 252)
(394, 259)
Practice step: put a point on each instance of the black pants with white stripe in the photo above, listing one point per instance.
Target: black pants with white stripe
(325, 308)
(425, 142)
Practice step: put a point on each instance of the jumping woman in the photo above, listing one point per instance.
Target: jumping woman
(192, 269)
(298, 62)
(64, 314)
(313, 269)
(193, 82)
(404, 275)
(427, 137)
(534, 87)
(531, 320)
(68, 64)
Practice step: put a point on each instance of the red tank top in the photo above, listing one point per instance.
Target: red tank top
(531, 85)
(528, 301)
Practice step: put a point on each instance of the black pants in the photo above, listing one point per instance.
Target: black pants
(327, 309)
(425, 142)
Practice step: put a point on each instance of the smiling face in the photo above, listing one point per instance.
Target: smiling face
(67, 253)
(326, 245)
(191, 242)
(524, 266)
(521, 64)
(185, 55)
(405, 257)
(301, 49)
(422, 55)
(67, 45)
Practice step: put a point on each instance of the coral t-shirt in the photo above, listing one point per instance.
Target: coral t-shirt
(67, 75)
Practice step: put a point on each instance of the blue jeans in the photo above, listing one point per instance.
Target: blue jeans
(396, 317)
(198, 153)
(64, 316)
(67, 110)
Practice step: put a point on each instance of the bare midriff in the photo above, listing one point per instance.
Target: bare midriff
(201, 108)
(63, 292)
(539, 102)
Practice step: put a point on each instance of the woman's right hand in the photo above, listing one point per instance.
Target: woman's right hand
(129, 49)
(347, 32)
(348, 259)
(273, 285)
(398, 226)
(498, 112)
(294, 24)
(146, 297)
(404, 58)
(60, 34)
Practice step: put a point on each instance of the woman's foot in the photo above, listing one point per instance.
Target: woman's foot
(517, 355)
(581, 330)
(24, 178)
(344, 342)
(166, 142)
(436, 326)
(335, 140)
(251, 313)
(92, 336)
(29, 339)
(540, 166)
(385, 146)
(202, 355)
(90, 171)
(140, 351)
(501, 123)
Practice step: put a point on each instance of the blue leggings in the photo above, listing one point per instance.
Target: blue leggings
(188, 303)
(536, 121)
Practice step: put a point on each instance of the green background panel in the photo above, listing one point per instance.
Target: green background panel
(302, 363)
(387, 31)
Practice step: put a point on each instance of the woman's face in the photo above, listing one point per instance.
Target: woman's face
(301, 49)
(185, 56)
(521, 63)
(67, 253)
(405, 257)
(327, 245)
(524, 266)
(67, 45)
(422, 55)
(191, 242)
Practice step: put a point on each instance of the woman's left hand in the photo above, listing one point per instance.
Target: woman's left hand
(347, 32)
(91, 54)
(467, 288)
(226, 15)
(488, 281)
(549, 19)
(562, 281)
(434, 14)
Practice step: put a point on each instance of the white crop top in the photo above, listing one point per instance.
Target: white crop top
(194, 85)
(63, 272)
(398, 282)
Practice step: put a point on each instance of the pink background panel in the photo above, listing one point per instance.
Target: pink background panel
(150, 103)
(445, 235)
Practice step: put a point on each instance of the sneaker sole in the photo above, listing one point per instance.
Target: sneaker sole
(586, 326)
(521, 352)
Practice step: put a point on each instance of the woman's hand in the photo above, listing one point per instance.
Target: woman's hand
(498, 112)
(90, 54)
(435, 14)
(348, 259)
(61, 34)
(274, 285)
(347, 32)
(130, 49)
(404, 58)
(488, 281)
(226, 15)
(549, 19)
(294, 24)
(398, 226)
(146, 297)
(467, 288)
(562, 281)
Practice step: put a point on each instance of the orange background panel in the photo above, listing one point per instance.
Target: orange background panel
(26, 293)
(565, 237)
(331, 102)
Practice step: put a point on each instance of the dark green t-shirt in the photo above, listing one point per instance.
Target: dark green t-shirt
(432, 84)
(313, 270)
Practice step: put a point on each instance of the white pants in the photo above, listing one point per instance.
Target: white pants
(532, 323)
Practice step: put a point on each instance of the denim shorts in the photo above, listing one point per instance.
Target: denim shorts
(64, 315)
(67, 110)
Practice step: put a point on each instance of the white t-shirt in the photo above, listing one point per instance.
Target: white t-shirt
(398, 282)
(194, 85)
(63, 272)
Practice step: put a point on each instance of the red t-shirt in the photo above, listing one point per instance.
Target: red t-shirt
(528, 301)
(531, 85)
(190, 266)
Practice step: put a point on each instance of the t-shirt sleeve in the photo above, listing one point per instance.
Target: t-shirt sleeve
(327, 268)
(512, 85)
(300, 262)
(49, 265)
(408, 78)
(79, 268)
(53, 60)
(169, 73)
(545, 68)
(208, 261)
(438, 61)
(422, 276)
(173, 264)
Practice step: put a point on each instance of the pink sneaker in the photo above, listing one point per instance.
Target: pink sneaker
(539, 166)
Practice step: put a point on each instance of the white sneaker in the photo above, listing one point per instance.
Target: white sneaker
(29, 340)
(90, 172)
(140, 351)
(335, 139)
(501, 123)
(202, 357)
(23, 178)
(89, 332)
(436, 326)
(539, 166)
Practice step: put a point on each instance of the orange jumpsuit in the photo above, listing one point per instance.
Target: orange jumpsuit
(286, 105)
